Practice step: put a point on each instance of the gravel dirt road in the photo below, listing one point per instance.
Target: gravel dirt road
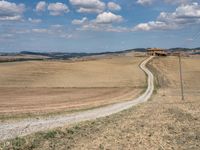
(12, 129)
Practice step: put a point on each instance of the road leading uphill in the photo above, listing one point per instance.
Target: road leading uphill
(9, 130)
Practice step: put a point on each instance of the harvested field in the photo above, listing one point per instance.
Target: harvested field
(170, 72)
(40, 87)
(165, 122)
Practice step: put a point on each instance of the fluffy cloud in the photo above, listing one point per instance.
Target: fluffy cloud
(41, 6)
(34, 20)
(192, 10)
(145, 2)
(57, 9)
(11, 11)
(103, 22)
(108, 17)
(88, 6)
(113, 6)
(79, 22)
(152, 25)
(182, 16)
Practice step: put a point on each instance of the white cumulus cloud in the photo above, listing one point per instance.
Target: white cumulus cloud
(183, 15)
(41, 6)
(103, 22)
(88, 6)
(11, 11)
(80, 22)
(145, 2)
(113, 6)
(57, 9)
(108, 17)
(152, 25)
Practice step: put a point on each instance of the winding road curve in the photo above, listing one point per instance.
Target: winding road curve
(9, 130)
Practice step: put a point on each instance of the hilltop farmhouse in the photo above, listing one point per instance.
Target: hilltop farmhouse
(156, 52)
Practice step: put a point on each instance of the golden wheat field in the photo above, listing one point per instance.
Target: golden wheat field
(164, 122)
(36, 87)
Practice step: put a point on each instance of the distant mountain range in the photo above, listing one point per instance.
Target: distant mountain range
(71, 55)
(62, 55)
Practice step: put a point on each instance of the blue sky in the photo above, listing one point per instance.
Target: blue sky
(98, 25)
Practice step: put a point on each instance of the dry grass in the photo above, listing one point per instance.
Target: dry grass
(164, 123)
(39, 87)
(170, 73)
(114, 72)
